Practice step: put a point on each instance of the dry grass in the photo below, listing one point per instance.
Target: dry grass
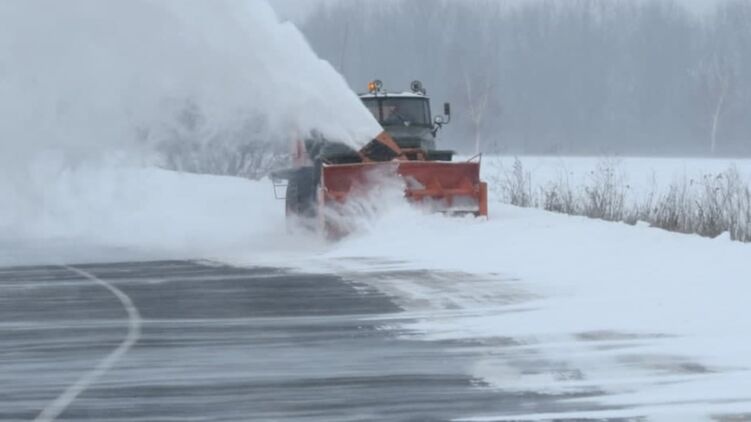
(710, 206)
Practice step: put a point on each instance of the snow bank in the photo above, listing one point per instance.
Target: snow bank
(122, 213)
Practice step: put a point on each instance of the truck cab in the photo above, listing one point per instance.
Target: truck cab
(406, 116)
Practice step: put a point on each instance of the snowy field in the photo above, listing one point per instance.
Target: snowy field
(657, 321)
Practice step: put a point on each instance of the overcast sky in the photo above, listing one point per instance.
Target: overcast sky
(296, 10)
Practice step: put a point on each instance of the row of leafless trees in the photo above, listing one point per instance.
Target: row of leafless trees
(710, 206)
(251, 159)
(246, 150)
(550, 76)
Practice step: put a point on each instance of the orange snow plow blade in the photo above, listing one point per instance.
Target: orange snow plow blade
(450, 187)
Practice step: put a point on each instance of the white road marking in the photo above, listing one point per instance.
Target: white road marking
(55, 408)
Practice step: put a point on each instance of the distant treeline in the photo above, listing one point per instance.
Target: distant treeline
(555, 76)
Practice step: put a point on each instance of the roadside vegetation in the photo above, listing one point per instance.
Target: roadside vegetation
(252, 160)
(189, 144)
(711, 206)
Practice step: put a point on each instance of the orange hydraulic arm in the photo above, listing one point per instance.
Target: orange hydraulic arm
(382, 148)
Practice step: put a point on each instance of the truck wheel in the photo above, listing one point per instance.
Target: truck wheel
(301, 193)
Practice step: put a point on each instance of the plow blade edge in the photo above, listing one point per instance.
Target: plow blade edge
(450, 187)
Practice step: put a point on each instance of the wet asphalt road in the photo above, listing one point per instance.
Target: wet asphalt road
(219, 343)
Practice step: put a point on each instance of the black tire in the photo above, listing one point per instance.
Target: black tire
(301, 197)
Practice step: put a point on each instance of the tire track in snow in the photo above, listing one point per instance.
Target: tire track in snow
(56, 407)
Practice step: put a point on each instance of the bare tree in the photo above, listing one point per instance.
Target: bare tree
(477, 91)
(718, 75)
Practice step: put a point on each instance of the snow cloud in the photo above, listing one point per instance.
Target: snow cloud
(88, 84)
(86, 76)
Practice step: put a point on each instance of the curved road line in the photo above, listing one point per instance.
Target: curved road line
(55, 408)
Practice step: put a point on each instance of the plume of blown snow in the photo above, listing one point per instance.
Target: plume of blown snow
(86, 83)
(86, 75)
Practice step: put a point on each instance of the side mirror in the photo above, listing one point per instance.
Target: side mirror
(439, 121)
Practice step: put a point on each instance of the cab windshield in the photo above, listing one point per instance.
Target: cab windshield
(399, 111)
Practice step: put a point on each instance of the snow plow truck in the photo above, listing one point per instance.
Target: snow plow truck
(328, 174)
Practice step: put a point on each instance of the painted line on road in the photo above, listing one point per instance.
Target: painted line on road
(55, 408)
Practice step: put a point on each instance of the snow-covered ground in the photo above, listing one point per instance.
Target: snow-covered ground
(108, 212)
(656, 321)
(651, 316)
